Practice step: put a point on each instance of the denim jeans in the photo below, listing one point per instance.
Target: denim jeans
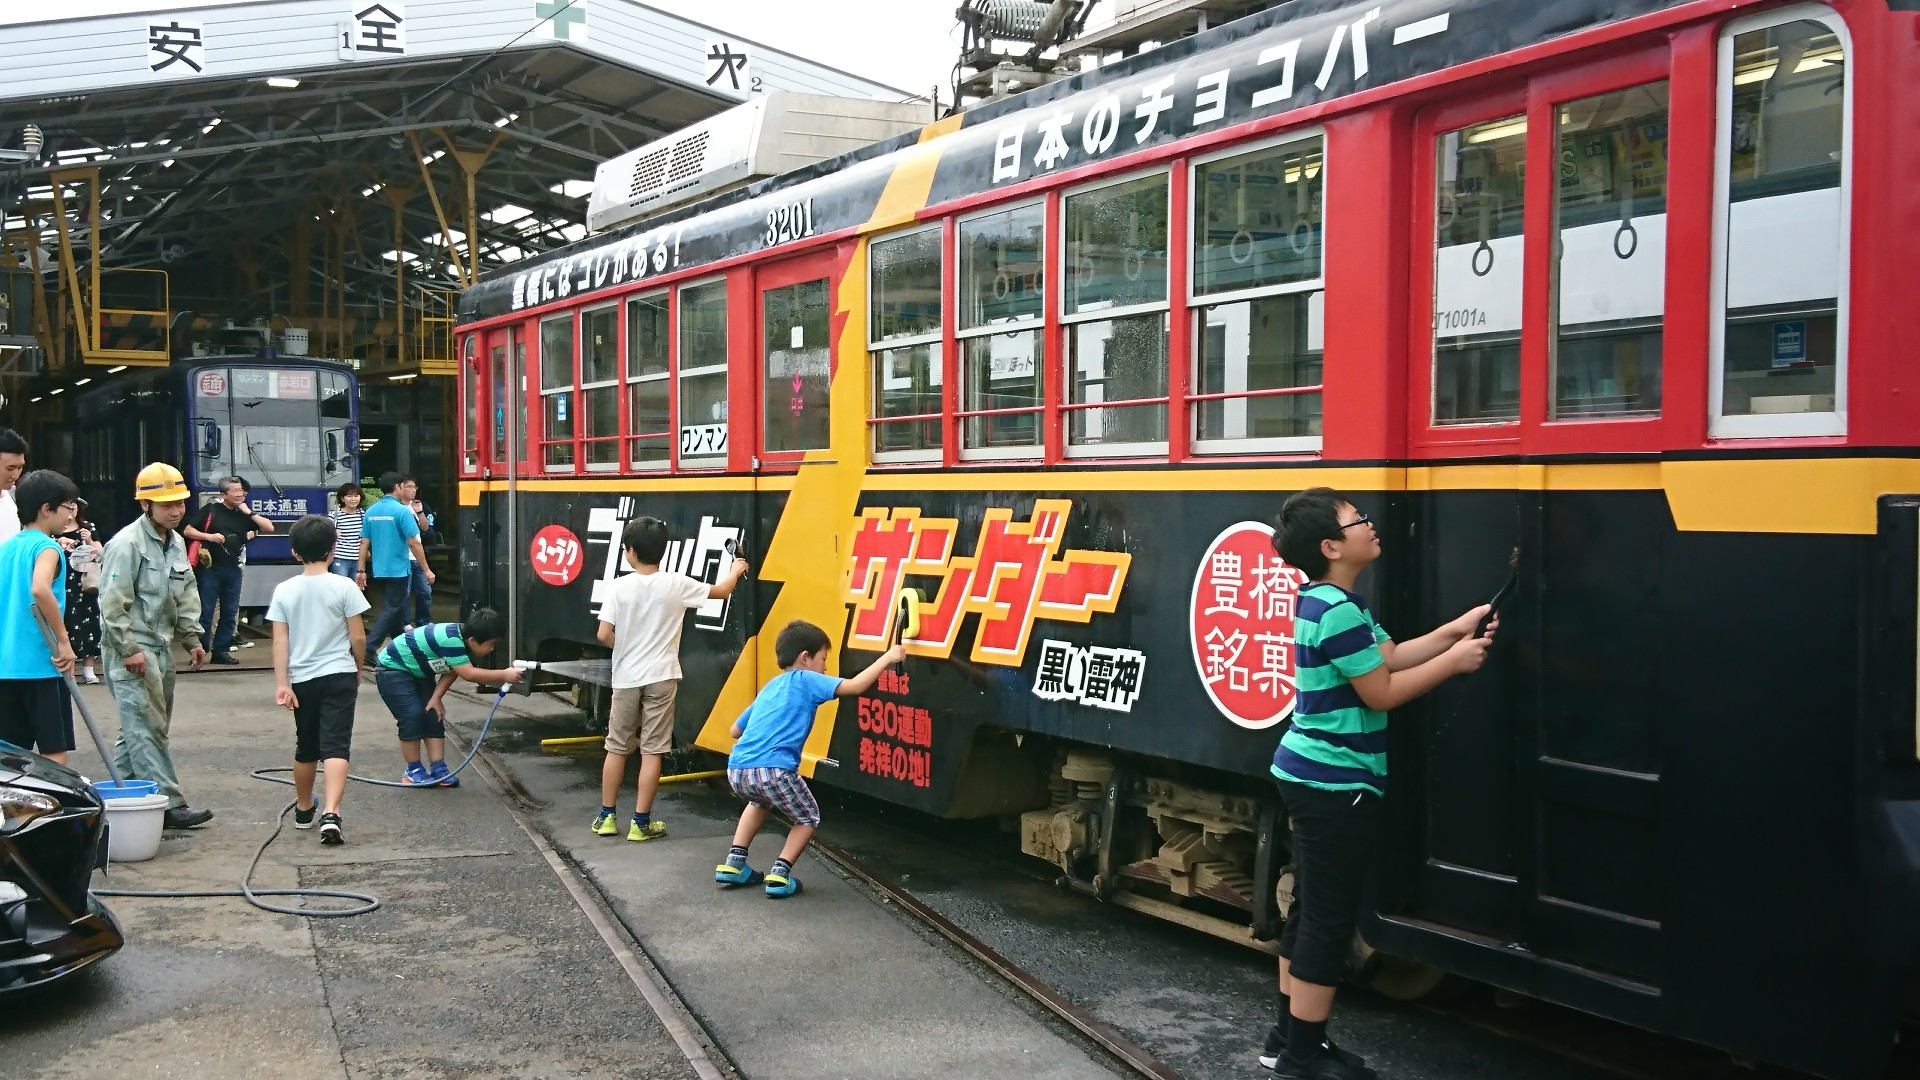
(420, 595)
(219, 585)
(393, 612)
(406, 698)
(344, 567)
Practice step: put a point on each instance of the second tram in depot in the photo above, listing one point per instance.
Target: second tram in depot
(288, 427)
(1610, 283)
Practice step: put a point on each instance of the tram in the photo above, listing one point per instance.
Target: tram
(1605, 283)
(289, 427)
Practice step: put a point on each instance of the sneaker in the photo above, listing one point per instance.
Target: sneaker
(730, 875)
(1276, 1045)
(1325, 1063)
(654, 830)
(90, 678)
(416, 774)
(225, 658)
(330, 833)
(441, 777)
(604, 825)
(780, 886)
(303, 819)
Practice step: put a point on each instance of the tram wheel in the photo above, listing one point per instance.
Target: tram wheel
(1393, 976)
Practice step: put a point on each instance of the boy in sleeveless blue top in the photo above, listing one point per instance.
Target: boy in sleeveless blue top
(413, 675)
(1331, 765)
(764, 767)
(33, 578)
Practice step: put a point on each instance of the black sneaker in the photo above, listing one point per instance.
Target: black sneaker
(226, 658)
(330, 833)
(1326, 1063)
(1276, 1045)
(303, 819)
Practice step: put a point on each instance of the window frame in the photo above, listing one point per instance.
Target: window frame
(705, 462)
(938, 336)
(470, 410)
(615, 384)
(1041, 323)
(630, 438)
(1198, 303)
(1775, 425)
(572, 315)
(1060, 408)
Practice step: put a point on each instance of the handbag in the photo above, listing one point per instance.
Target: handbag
(197, 553)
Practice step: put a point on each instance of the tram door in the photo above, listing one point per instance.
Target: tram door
(500, 443)
(793, 425)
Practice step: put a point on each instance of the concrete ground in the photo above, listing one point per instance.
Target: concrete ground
(479, 963)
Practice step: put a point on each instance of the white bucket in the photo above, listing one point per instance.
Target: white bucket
(294, 341)
(133, 827)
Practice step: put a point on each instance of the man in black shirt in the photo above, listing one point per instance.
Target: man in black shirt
(223, 529)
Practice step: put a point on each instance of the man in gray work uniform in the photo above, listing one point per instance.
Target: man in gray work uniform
(148, 600)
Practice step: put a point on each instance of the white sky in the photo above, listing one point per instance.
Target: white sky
(911, 44)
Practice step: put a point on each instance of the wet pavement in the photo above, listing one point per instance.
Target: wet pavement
(478, 964)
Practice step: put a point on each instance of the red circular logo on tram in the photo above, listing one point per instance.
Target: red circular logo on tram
(212, 384)
(557, 555)
(1242, 620)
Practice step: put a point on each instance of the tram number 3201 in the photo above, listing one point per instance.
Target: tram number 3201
(786, 224)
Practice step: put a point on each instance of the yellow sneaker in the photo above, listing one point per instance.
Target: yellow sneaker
(653, 830)
(604, 825)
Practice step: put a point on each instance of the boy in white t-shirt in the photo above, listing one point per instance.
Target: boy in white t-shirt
(641, 622)
(316, 670)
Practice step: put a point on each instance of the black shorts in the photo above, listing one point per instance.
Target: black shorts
(39, 714)
(323, 721)
(1335, 834)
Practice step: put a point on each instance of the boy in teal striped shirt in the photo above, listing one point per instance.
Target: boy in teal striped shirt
(414, 673)
(1331, 765)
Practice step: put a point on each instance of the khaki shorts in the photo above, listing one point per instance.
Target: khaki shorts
(647, 710)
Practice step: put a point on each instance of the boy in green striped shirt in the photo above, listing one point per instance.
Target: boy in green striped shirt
(414, 673)
(1331, 765)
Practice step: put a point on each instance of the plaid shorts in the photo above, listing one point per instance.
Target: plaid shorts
(777, 789)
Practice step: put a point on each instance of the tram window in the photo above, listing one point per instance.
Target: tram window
(1610, 279)
(1783, 174)
(600, 387)
(1002, 279)
(1258, 243)
(497, 365)
(904, 330)
(798, 366)
(556, 391)
(1115, 305)
(1480, 205)
(703, 375)
(649, 384)
(470, 393)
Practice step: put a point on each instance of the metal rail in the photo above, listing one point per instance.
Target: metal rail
(1023, 980)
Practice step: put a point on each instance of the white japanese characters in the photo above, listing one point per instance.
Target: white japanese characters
(1102, 677)
(279, 506)
(1242, 626)
(706, 555)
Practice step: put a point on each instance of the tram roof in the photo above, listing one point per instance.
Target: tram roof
(205, 163)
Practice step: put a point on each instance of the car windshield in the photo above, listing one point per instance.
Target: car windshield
(278, 428)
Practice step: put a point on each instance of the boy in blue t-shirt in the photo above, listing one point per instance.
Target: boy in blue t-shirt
(33, 577)
(764, 766)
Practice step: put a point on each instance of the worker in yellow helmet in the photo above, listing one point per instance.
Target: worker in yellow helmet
(148, 601)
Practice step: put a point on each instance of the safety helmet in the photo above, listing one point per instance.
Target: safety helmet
(160, 482)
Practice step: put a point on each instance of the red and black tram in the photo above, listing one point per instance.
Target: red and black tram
(1612, 283)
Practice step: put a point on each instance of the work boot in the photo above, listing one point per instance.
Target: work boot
(186, 817)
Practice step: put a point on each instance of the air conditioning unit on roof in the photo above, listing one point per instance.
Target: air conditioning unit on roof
(772, 134)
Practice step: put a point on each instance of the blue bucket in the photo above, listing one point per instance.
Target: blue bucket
(126, 789)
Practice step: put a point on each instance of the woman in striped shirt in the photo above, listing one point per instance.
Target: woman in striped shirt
(347, 522)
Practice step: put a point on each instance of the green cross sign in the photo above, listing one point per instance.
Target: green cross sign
(564, 16)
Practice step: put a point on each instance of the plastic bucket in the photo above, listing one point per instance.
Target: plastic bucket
(126, 789)
(133, 827)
